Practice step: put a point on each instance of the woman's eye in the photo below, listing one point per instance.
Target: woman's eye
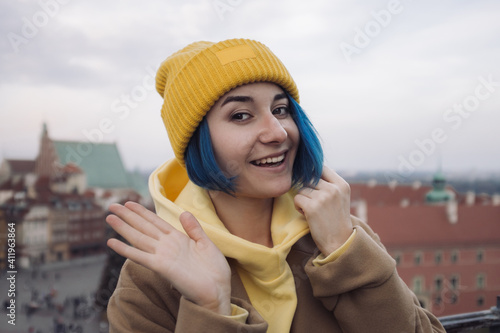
(240, 116)
(281, 111)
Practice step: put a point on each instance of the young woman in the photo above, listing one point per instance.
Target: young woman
(253, 233)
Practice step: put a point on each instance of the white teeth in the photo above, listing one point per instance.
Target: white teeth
(270, 160)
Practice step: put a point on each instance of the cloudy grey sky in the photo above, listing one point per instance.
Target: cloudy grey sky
(396, 85)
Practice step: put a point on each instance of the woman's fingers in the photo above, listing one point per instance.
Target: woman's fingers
(135, 220)
(327, 210)
(130, 252)
(332, 177)
(140, 226)
(142, 219)
(148, 215)
(136, 237)
(329, 175)
(178, 258)
(328, 179)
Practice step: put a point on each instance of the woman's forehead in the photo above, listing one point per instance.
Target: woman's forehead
(256, 86)
(252, 89)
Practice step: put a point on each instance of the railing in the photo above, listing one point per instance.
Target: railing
(480, 322)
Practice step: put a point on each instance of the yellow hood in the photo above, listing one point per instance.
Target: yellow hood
(264, 271)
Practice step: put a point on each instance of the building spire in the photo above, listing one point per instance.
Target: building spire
(45, 131)
(45, 163)
(439, 160)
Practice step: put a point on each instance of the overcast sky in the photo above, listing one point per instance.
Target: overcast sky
(390, 85)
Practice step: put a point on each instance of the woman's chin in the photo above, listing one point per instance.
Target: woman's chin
(270, 190)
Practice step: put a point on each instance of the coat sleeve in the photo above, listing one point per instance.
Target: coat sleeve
(365, 293)
(144, 302)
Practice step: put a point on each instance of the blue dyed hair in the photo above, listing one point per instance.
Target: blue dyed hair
(204, 171)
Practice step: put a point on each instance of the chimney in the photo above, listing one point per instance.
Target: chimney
(495, 199)
(470, 198)
(452, 211)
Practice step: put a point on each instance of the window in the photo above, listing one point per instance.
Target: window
(418, 283)
(480, 281)
(479, 255)
(438, 257)
(454, 282)
(454, 256)
(480, 301)
(438, 283)
(417, 259)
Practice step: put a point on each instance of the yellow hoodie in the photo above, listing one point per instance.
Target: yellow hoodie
(266, 276)
(264, 271)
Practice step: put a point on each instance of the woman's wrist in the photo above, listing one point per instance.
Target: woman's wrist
(333, 242)
(222, 306)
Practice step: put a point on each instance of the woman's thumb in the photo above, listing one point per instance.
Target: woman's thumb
(192, 226)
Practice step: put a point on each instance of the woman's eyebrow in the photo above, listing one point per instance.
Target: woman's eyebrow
(237, 99)
(230, 99)
(279, 96)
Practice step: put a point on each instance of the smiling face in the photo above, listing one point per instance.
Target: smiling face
(255, 138)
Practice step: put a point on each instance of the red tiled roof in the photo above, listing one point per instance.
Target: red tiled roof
(429, 225)
(10, 184)
(384, 194)
(71, 168)
(21, 166)
(89, 193)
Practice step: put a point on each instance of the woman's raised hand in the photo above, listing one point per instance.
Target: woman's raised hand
(192, 263)
(326, 208)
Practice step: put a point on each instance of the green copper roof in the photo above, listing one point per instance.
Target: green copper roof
(438, 192)
(139, 182)
(101, 162)
(438, 196)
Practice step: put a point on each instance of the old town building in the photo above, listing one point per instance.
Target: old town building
(58, 204)
(446, 244)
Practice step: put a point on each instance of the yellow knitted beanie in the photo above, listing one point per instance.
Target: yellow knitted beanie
(194, 78)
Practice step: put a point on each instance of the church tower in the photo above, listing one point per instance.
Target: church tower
(47, 160)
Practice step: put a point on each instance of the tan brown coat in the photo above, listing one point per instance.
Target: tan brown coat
(359, 292)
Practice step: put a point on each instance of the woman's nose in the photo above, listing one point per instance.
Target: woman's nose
(272, 130)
